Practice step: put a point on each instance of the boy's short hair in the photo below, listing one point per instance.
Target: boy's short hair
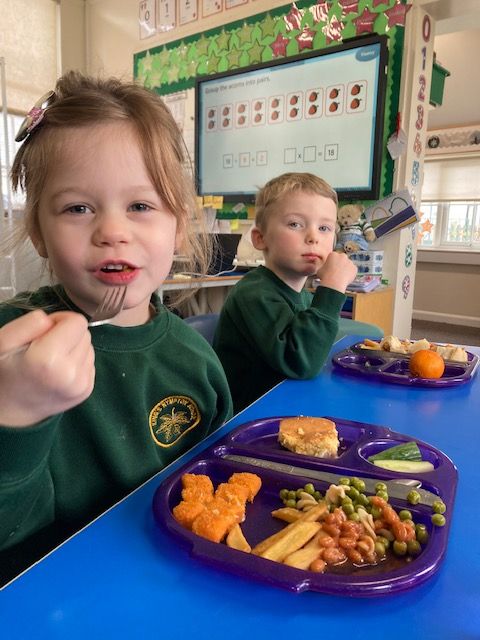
(284, 184)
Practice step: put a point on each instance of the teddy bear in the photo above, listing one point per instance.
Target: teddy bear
(354, 232)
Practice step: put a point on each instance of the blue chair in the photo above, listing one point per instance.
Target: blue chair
(205, 324)
(347, 327)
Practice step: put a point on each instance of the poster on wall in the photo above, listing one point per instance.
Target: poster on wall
(210, 7)
(166, 15)
(188, 11)
(146, 18)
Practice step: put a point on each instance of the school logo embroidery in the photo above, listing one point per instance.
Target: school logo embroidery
(171, 418)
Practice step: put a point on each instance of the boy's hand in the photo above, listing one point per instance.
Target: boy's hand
(337, 271)
(52, 371)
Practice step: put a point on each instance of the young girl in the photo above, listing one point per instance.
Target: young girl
(88, 414)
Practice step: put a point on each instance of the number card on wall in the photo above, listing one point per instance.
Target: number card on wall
(210, 7)
(166, 15)
(229, 4)
(146, 18)
(188, 11)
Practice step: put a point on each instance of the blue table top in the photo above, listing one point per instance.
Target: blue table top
(122, 577)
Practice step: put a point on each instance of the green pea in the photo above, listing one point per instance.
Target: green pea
(383, 494)
(380, 486)
(298, 493)
(292, 495)
(348, 508)
(405, 514)
(344, 481)
(439, 507)
(376, 512)
(384, 541)
(359, 484)
(421, 533)
(309, 488)
(379, 549)
(413, 497)
(317, 495)
(399, 548)
(438, 520)
(354, 517)
(413, 547)
(362, 499)
(353, 493)
(283, 494)
(347, 500)
(291, 503)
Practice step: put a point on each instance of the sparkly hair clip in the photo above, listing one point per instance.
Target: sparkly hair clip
(35, 116)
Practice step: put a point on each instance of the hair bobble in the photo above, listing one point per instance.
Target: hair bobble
(35, 116)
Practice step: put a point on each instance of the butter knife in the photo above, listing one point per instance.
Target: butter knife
(396, 488)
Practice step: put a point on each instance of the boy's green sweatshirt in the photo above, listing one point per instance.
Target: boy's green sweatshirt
(268, 332)
(159, 389)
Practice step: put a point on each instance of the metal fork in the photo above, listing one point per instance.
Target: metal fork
(109, 307)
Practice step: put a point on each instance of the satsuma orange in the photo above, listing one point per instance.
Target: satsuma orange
(426, 364)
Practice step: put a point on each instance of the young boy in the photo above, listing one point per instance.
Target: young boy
(270, 328)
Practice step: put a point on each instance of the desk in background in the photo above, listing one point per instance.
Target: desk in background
(121, 577)
(201, 302)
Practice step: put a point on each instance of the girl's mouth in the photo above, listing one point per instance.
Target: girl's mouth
(116, 272)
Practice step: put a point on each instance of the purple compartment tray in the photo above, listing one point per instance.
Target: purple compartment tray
(386, 366)
(358, 440)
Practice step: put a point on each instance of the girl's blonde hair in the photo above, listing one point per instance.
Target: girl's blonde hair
(285, 184)
(82, 101)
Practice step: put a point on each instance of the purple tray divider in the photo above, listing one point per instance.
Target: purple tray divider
(390, 367)
(257, 439)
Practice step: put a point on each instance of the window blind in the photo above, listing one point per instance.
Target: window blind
(451, 179)
(28, 35)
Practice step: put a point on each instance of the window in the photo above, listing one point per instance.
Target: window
(450, 209)
(450, 225)
(13, 124)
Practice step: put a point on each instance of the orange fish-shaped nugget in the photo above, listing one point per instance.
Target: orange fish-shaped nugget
(197, 488)
(212, 526)
(249, 480)
(186, 512)
(233, 492)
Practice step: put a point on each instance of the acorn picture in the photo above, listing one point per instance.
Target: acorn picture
(225, 122)
(226, 111)
(258, 105)
(258, 117)
(333, 94)
(241, 108)
(293, 100)
(241, 120)
(211, 124)
(312, 110)
(275, 103)
(211, 113)
(293, 113)
(313, 96)
(275, 115)
(355, 103)
(333, 107)
(355, 90)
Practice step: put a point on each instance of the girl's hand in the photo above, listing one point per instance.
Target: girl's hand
(46, 366)
(337, 271)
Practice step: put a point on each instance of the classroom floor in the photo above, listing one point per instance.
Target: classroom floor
(437, 332)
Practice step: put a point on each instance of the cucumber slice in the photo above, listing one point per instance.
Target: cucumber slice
(405, 466)
(407, 451)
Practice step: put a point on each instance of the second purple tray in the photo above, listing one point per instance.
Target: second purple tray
(386, 366)
(358, 441)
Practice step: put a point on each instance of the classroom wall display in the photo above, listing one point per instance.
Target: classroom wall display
(293, 29)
